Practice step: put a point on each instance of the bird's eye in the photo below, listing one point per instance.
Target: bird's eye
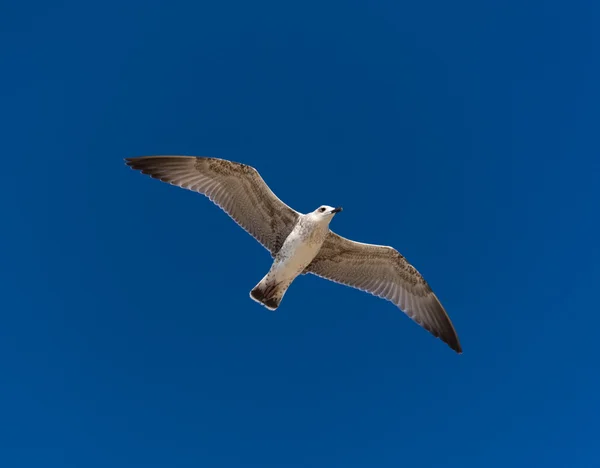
(322, 209)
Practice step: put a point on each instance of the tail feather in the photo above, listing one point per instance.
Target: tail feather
(269, 292)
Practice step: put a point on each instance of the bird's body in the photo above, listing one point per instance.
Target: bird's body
(302, 243)
(299, 249)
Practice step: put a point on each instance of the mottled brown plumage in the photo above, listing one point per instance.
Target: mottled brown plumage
(383, 272)
(236, 188)
(241, 192)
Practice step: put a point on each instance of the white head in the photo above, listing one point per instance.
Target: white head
(325, 213)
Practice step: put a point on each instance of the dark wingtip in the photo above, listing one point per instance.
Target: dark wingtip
(134, 163)
(131, 162)
(452, 342)
(451, 339)
(144, 164)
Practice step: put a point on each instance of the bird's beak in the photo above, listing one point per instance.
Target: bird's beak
(336, 210)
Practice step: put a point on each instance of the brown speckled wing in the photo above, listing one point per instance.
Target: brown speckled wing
(382, 271)
(237, 188)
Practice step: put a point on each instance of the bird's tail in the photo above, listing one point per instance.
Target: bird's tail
(269, 292)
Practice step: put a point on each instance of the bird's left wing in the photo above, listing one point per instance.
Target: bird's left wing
(237, 188)
(382, 271)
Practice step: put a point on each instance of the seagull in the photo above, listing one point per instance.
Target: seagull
(302, 243)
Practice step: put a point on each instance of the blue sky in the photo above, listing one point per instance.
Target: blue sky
(465, 134)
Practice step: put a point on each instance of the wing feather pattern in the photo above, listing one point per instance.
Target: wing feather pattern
(383, 272)
(236, 188)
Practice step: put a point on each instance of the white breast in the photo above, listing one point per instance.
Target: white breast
(298, 250)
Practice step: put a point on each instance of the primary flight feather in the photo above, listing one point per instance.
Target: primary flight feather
(302, 243)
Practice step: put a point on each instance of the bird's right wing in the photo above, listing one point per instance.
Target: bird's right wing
(382, 271)
(237, 188)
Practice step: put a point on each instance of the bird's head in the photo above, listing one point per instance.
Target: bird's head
(326, 213)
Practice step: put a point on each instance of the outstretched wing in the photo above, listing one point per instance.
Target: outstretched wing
(382, 271)
(237, 188)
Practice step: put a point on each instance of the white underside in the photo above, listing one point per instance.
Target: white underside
(294, 257)
(298, 250)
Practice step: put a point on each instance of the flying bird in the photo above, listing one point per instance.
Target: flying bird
(302, 243)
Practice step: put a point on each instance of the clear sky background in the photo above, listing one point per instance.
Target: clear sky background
(464, 133)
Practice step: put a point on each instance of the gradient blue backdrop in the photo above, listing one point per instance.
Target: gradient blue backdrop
(463, 133)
